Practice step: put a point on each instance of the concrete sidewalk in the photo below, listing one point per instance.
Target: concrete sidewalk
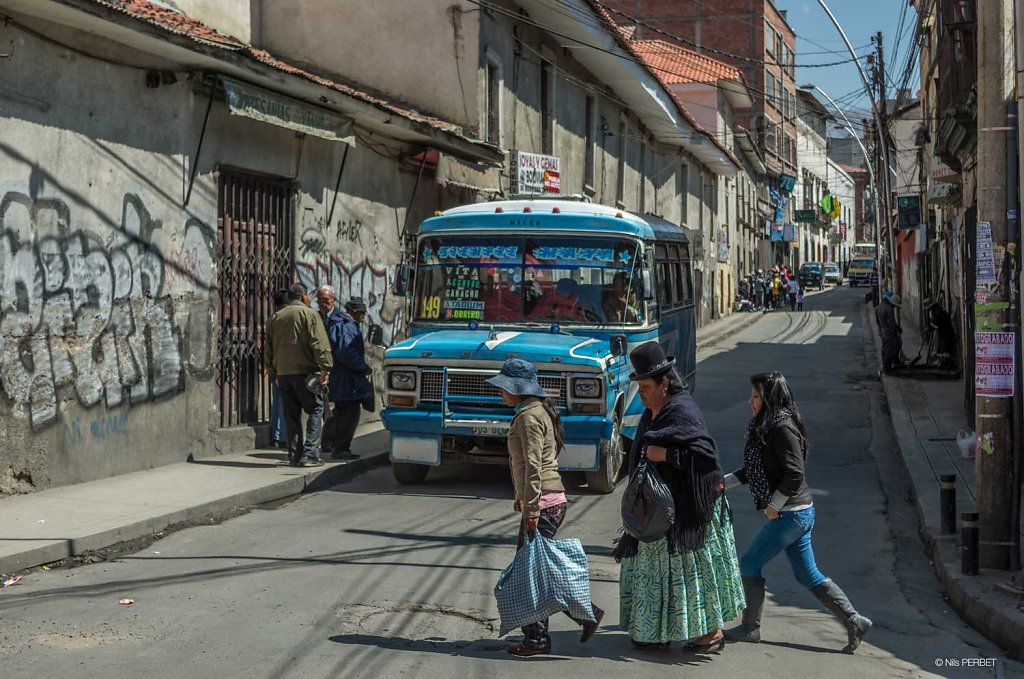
(926, 415)
(68, 521)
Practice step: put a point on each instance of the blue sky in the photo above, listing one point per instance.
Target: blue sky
(861, 19)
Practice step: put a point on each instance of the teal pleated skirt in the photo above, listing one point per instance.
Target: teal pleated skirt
(675, 597)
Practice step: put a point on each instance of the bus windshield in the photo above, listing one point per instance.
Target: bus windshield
(590, 280)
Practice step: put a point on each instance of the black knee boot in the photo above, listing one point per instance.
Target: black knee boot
(839, 605)
(750, 629)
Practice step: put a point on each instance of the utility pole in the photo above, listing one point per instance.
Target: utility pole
(885, 185)
(994, 463)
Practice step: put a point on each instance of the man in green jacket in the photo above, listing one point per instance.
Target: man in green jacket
(297, 354)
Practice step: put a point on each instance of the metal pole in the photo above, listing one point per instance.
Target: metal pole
(947, 504)
(199, 146)
(969, 543)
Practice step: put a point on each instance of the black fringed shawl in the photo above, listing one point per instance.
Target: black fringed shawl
(691, 471)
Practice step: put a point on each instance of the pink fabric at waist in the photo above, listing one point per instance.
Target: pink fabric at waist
(550, 498)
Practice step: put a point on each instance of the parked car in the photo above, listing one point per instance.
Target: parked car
(811, 274)
(833, 274)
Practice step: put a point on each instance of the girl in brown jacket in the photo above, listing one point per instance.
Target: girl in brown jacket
(534, 440)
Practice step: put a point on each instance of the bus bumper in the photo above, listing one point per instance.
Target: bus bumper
(424, 437)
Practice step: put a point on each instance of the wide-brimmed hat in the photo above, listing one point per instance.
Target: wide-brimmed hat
(649, 360)
(518, 377)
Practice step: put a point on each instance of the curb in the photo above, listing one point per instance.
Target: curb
(317, 479)
(732, 330)
(966, 597)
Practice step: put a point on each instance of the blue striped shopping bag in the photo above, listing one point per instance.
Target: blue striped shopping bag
(546, 577)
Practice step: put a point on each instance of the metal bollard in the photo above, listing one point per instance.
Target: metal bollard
(969, 543)
(947, 504)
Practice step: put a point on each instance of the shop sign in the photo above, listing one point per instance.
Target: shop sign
(276, 109)
(809, 216)
(535, 173)
(787, 182)
(908, 209)
(789, 233)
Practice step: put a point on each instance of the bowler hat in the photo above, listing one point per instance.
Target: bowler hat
(649, 360)
(518, 377)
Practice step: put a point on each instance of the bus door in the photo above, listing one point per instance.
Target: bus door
(677, 333)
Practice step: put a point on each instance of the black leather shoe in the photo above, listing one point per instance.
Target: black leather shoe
(525, 650)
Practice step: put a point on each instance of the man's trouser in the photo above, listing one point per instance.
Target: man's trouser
(341, 427)
(298, 399)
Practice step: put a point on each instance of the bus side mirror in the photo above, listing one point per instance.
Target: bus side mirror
(618, 345)
(400, 286)
(645, 278)
(376, 336)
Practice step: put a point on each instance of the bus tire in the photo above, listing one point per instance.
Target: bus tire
(408, 474)
(612, 455)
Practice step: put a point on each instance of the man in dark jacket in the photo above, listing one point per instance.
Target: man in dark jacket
(349, 386)
(889, 328)
(298, 356)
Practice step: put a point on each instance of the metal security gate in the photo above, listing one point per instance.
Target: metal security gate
(255, 228)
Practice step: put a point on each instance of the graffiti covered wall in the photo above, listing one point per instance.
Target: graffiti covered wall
(87, 317)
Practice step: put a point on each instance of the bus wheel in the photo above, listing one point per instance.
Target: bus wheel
(611, 453)
(409, 474)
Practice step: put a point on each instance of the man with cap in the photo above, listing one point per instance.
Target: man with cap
(297, 355)
(890, 330)
(348, 387)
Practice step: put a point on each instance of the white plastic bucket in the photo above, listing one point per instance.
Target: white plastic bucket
(966, 440)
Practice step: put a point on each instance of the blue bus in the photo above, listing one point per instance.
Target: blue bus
(571, 287)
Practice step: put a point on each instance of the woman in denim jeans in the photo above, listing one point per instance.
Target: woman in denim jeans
(773, 468)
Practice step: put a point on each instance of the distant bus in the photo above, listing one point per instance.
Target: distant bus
(865, 250)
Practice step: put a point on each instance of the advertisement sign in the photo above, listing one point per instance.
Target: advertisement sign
(787, 182)
(908, 212)
(534, 173)
(809, 216)
(723, 243)
(789, 233)
(995, 364)
(986, 261)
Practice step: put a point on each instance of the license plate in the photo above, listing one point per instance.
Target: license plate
(490, 430)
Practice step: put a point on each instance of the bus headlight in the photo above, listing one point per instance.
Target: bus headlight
(586, 387)
(402, 380)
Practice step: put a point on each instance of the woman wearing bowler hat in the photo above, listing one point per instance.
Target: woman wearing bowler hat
(685, 586)
(534, 440)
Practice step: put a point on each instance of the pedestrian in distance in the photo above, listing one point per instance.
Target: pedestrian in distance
(800, 299)
(794, 292)
(348, 386)
(774, 463)
(298, 356)
(278, 437)
(534, 439)
(887, 317)
(685, 586)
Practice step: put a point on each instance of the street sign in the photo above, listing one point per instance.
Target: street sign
(908, 212)
(809, 216)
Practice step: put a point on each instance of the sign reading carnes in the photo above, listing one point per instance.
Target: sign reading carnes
(534, 173)
(275, 109)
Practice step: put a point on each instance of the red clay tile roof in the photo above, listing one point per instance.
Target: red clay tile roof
(677, 65)
(171, 20)
(623, 35)
(850, 169)
(181, 24)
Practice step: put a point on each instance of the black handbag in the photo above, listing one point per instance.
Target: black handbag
(648, 510)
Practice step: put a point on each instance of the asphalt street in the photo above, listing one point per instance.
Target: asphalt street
(371, 579)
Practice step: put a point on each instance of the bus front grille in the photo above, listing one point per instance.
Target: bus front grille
(474, 384)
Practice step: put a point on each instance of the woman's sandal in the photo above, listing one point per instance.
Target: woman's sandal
(716, 646)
